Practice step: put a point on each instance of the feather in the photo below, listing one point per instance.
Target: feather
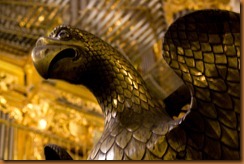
(205, 54)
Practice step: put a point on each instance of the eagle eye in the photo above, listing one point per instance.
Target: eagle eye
(64, 34)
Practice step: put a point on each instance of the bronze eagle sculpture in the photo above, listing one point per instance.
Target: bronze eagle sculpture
(202, 47)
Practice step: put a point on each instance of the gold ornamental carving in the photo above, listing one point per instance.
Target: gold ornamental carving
(172, 7)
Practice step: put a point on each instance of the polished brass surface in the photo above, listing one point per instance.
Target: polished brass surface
(22, 22)
(22, 89)
(204, 50)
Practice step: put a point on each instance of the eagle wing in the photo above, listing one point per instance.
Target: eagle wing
(203, 48)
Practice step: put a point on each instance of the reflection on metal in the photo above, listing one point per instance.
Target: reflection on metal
(132, 26)
(202, 48)
(136, 28)
(40, 112)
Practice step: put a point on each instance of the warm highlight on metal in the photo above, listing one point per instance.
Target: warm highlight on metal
(204, 50)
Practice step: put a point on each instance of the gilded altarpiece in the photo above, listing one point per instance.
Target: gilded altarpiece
(34, 111)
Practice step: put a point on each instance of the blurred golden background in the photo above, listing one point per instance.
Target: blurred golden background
(34, 111)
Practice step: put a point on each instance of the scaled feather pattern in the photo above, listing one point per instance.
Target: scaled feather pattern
(202, 47)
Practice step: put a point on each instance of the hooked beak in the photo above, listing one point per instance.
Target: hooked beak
(44, 52)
